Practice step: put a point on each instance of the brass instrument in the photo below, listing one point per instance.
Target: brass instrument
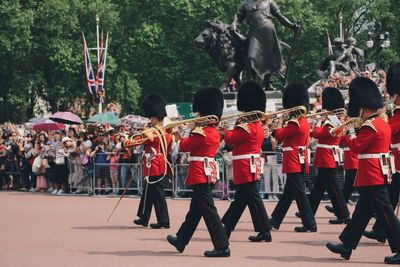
(245, 117)
(149, 134)
(337, 112)
(341, 129)
(289, 113)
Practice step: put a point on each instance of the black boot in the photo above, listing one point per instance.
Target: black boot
(344, 252)
(175, 242)
(223, 252)
(140, 221)
(159, 225)
(340, 221)
(261, 237)
(375, 236)
(297, 214)
(395, 259)
(274, 225)
(304, 229)
(330, 209)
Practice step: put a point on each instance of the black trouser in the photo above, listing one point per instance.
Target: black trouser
(202, 205)
(153, 194)
(327, 180)
(372, 199)
(393, 191)
(247, 195)
(294, 189)
(348, 186)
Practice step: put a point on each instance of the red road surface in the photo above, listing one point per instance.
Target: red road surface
(45, 230)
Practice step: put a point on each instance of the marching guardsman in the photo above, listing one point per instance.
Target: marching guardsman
(371, 143)
(393, 89)
(327, 160)
(294, 137)
(202, 144)
(156, 144)
(350, 166)
(247, 139)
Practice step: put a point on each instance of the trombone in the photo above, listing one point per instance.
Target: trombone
(159, 131)
(337, 112)
(341, 129)
(245, 117)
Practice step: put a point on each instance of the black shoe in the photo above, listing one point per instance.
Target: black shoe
(274, 224)
(345, 253)
(375, 236)
(140, 222)
(395, 259)
(330, 209)
(175, 242)
(224, 252)
(297, 214)
(159, 225)
(340, 221)
(261, 237)
(227, 232)
(304, 229)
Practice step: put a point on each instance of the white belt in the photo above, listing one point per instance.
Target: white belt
(201, 159)
(372, 156)
(288, 148)
(246, 156)
(327, 146)
(395, 146)
(346, 149)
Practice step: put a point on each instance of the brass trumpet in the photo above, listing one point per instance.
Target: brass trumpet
(159, 131)
(337, 112)
(341, 129)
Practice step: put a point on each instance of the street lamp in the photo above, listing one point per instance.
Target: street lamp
(382, 41)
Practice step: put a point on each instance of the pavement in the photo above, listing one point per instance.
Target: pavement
(46, 230)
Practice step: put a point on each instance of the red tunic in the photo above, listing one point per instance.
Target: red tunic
(394, 123)
(350, 161)
(372, 138)
(294, 135)
(246, 139)
(158, 164)
(202, 142)
(323, 157)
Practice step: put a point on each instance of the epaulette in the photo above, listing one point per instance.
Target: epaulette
(244, 126)
(295, 121)
(368, 123)
(198, 130)
(384, 116)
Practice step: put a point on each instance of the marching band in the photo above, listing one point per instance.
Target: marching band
(364, 131)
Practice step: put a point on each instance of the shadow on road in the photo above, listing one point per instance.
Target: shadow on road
(308, 259)
(147, 253)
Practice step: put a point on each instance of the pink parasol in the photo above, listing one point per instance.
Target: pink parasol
(66, 117)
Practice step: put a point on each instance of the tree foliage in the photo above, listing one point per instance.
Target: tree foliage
(151, 46)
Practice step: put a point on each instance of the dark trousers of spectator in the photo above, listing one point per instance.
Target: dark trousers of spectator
(294, 190)
(327, 180)
(247, 195)
(14, 172)
(372, 199)
(202, 206)
(348, 186)
(153, 194)
(393, 191)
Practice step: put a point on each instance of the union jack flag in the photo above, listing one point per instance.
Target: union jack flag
(101, 66)
(90, 80)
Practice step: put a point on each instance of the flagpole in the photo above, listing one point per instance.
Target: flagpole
(341, 25)
(98, 55)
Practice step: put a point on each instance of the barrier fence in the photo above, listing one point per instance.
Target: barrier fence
(96, 178)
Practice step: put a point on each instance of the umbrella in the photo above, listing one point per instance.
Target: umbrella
(107, 117)
(47, 125)
(66, 117)
(135, 121)
(36, 120)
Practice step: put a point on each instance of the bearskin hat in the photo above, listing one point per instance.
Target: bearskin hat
(153, 105)
(208, 101)
(393, 80)
(363, 93)
(332, 99)
(295, 94)
(251, 97)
